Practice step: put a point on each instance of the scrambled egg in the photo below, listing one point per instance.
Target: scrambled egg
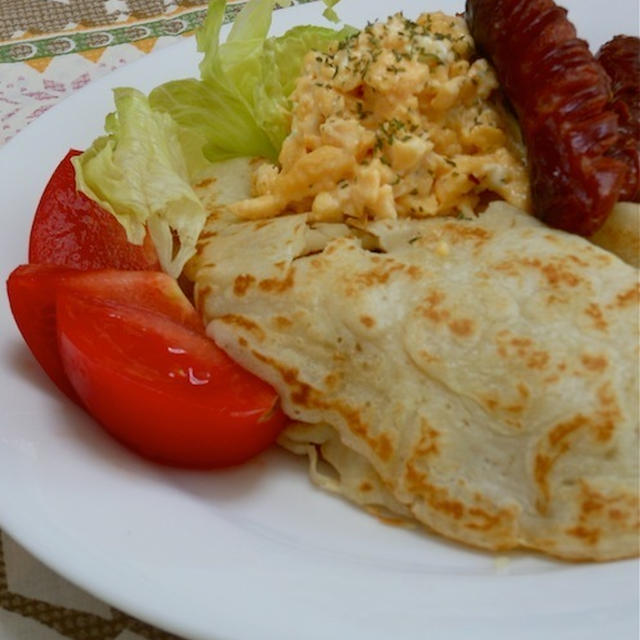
(400, 120)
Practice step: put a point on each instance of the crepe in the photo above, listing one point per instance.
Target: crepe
(620, 233)
(479, 377)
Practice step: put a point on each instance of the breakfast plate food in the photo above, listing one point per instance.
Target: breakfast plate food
(316, 274)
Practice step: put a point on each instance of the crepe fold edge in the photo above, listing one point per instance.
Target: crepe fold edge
(500, 459)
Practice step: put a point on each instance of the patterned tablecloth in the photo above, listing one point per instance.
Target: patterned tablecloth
(48, 50)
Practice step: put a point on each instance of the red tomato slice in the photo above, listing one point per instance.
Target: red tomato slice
(71, 230)
(32, 297)
(162, 389)
(32, 291)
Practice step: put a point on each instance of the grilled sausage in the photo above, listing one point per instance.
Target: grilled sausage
(620, 58)
(561, 95)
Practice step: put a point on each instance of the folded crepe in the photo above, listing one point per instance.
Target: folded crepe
(620, 233)
(479, 377)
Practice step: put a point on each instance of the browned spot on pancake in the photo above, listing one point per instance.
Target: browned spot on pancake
(605, 395)
(331, 248)
(541, 468)
(436, 497)
(480, 514)
(414, 271)
(588, 536)
(332, 379)
(428, 357)
(201, 293)
(577, 260)
(428, 443)
(365, 486)
(556, 444)
(538, 360)
(559, 440)
(461, 232)
(508, 267)
(282, 322)
(563, 429)
(509, 346)
(595, 312)
(243, 323)
(523, 390)
(515, 408)
(379, 274)
(484, 521)
(367, 321)
(383, 447)
(619, 511)
(431, 306)
(281, 264)
(491, 403)
(274, 285)
(462, 327)
(242, 283)
(628, 297)
(205, 183)
(388, 519)
(594, 363)
(206, 234)
(242, 342)
(608, 415)
(304, 395)
(555, 271)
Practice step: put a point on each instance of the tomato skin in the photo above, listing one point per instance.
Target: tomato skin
(33, 289)
(32, 298)
(71, 230)
(162, 389)
(120, 338)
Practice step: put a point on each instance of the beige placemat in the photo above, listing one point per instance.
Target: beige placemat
(51, 48)
(37, 604)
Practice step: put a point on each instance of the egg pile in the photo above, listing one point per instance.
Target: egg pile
(401, 120)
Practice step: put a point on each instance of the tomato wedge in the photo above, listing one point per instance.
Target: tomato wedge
(164, 390)
(33, 290)
(71, 230)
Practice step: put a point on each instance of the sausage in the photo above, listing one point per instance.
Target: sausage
(561, 95)
(620, 58)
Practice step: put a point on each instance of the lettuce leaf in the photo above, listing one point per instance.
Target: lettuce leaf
(241, 106)
(329, 12)
(144, 169)
(138, 173)
(281, 61)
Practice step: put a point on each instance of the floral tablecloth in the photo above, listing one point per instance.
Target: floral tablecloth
(48, 50)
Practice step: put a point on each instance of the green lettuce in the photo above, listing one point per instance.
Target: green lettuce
(240, 106)
(155, 149)
(138, 173)
(329, 12)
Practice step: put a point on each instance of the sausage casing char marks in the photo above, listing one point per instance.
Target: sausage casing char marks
(620, 58)
(562, 97)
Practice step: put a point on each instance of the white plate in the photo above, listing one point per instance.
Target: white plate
(256, 552)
